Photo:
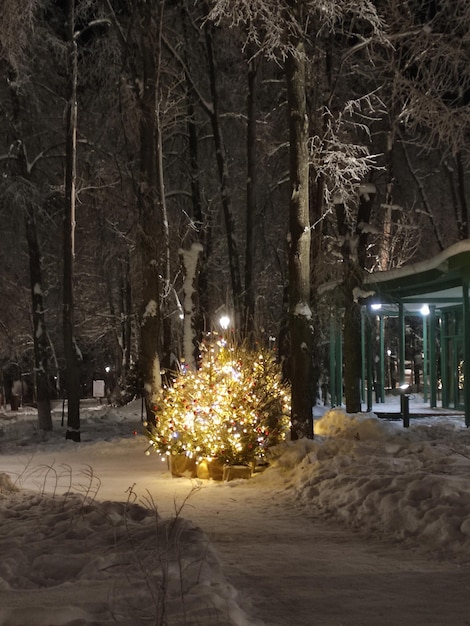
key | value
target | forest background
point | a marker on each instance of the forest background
(168, 161)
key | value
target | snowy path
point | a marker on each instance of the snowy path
(299, 571)
(288, 568)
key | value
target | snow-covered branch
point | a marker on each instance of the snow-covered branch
(339, 157)
(273, 24)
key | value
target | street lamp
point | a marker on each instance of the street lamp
(224, 322)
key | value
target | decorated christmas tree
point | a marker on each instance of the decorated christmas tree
(232, 409)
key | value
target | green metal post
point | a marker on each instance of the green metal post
(339, 366)
(382, 358)
(401, 341)
(432, 356)
(332, 362)
(363, 356)
(466, 352)
(425, 358)
(370, 374)
(444, 361)
(405, 409)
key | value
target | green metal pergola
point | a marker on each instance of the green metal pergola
(437, 292)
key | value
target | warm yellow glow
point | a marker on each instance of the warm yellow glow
(232, 409)
(224, 322)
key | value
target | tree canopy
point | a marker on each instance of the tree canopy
(293, 143)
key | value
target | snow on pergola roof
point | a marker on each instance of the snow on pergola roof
(438, 281)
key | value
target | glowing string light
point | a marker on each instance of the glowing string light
(232, 409)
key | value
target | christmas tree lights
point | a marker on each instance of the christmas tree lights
(232, 409)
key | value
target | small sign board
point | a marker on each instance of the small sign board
(98, 389)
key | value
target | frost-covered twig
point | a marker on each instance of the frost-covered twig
(340, 157)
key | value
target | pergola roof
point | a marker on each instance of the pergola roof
(437, 281)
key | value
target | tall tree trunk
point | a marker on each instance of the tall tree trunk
(71, 357)
(203, 225)
(249, 307)
(190, 262)
(202, 221)
(126, 317)
(352, 351)
(41, 340)
(300, 317)
(463, 224)
(354, 254)
(222, 168)
(152, 223)
(149, 221)
(458, 195)
(41, 343)
(164, 235)
(386, 246)
(318, 357)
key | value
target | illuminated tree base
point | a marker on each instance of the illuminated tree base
(208, 469)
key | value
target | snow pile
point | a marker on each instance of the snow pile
(408, 485)
(98, 533)
(141, 569)
(70, 557)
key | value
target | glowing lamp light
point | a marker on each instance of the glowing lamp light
(376, 306)
(224, 322)
(424, 310)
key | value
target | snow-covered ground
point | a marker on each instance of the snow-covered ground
(369, 523)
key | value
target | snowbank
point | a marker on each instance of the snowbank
(406, 485)
(80, 547)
